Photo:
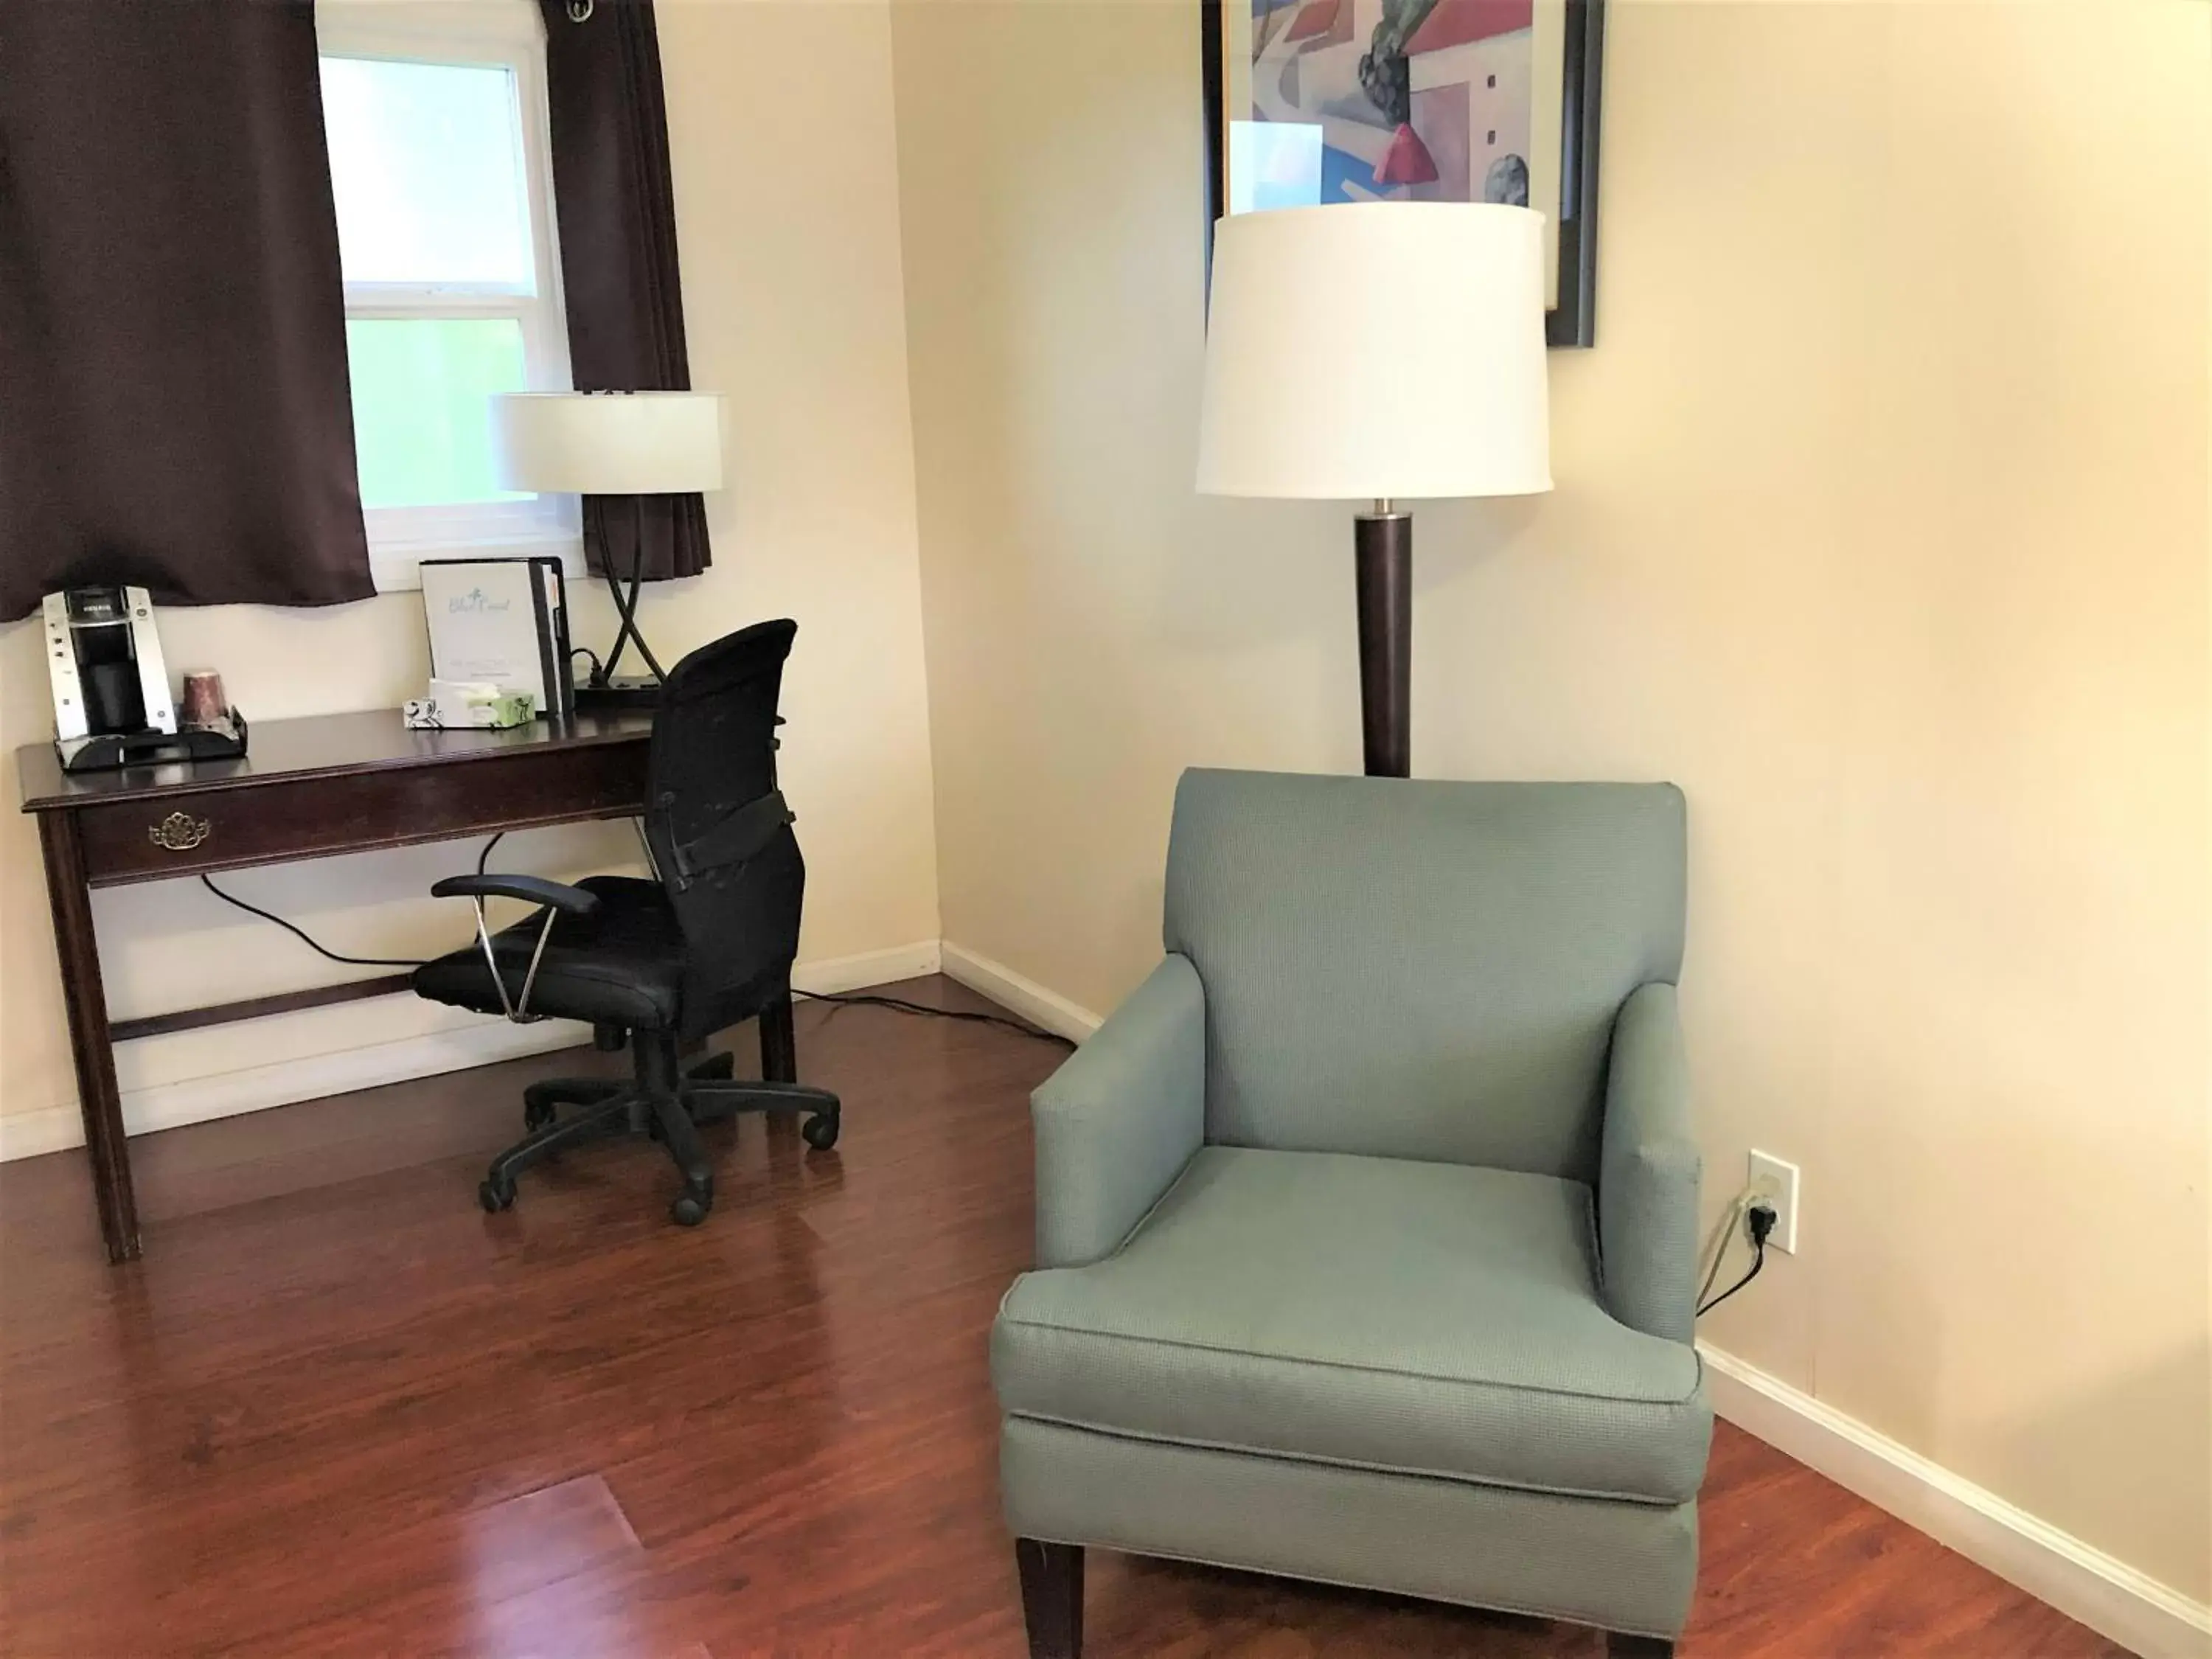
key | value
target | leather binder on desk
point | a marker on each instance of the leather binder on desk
(504, 620)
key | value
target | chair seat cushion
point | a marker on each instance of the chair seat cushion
(1430, 1319)
(623, 963)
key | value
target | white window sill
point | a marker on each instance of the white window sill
(393, 567)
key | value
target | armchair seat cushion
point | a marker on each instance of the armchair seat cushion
(1428, 1319)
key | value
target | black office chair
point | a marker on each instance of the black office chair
(663, 963)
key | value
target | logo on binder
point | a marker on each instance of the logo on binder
(476, 603)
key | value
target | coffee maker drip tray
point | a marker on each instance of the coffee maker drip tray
(103, 751)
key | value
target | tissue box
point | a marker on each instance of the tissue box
(455, 705)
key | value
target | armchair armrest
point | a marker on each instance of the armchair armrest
(1648, 1170)
(1118, 1121)
(530, 889)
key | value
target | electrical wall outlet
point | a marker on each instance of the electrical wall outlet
(1774, 1181)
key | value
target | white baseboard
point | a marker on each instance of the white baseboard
(2110, 1597)
(256, 1088)
(43, 1129)
(834, 973)
(1025, 996)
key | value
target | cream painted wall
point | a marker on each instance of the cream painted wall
(792, 301)
(1881, 528)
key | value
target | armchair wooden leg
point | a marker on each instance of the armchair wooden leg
(1619, 1644)
(1052, 1597)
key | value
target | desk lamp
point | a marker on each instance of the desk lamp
(611, 443)
(1377, 351)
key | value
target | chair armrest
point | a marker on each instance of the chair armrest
(1118, 1121)
(530, 889)
(1647, 1194)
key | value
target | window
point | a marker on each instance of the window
(435, 115)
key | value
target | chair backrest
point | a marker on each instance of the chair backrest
(719, 832)
(1420, 970)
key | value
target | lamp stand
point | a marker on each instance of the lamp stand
(1382, 551)
(604, 693)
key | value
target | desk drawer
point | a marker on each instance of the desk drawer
(303, 818)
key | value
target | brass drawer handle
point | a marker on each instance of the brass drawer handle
(179, 832)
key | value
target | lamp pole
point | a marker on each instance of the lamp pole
(1382, 551)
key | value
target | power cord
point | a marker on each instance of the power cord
(1760, 1219)
(863, 999)
(302, 935)
(321, 950)
(869, 1000)
(1726, 1233)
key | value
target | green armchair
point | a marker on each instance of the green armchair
(1367, 1226)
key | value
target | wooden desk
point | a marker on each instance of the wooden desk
(338, 783)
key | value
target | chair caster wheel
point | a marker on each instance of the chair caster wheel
(820, 1131)
(495, 1195)
(691, 1210)
(537, 1114)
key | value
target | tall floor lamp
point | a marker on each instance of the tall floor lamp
(611, 443)
(1379, 351)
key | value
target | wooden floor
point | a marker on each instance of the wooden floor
(338, 1410)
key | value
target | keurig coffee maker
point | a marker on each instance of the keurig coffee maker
(112, 702)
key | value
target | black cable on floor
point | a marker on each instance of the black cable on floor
(305, 938)
(868, 1000)
(1758, 1261)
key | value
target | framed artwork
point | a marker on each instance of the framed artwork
(1314, 101)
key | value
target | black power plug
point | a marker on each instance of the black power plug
(1759, 1220)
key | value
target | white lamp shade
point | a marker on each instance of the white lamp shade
(608, 443)
(1376, 349)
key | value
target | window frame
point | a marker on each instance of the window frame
(507, 34)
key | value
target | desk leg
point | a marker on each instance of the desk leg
(78, 948)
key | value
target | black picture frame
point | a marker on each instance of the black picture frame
(1573, 320)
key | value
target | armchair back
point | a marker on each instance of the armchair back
(1417, 968)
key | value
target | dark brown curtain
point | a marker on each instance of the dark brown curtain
(173, 402)
(616, 206)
